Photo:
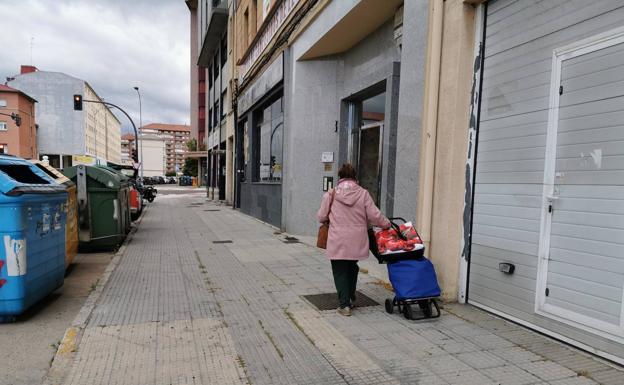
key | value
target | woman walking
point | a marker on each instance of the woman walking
(349, 209)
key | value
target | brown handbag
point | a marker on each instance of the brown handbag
(323, 232)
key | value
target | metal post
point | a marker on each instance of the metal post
(136, 148)
(140, 128)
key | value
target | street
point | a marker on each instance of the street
(203, 294)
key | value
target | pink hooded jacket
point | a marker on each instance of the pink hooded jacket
(352, 210)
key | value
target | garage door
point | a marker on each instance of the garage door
(549, 192)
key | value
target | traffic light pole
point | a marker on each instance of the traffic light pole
(136, 134)
(15, 117)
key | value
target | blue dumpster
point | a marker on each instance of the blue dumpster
(32, 235)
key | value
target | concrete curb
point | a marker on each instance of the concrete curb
(64, 357)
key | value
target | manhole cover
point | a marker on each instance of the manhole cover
(329, 301)
(224, 241)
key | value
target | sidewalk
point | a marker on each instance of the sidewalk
(181, 309)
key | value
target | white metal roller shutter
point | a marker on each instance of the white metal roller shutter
(582, 237)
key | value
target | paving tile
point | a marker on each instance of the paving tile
(516, 354)
(547, 370)
(510, 375)
(481, 360)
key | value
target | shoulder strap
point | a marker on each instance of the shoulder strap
(332, 201)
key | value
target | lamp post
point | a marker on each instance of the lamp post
(140, 128)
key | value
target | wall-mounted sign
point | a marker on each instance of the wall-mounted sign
(83, 159)
(327, 157)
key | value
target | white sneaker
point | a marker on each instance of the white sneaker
(344, 311)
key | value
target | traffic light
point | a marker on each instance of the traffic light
(17, 119)
(77, 102)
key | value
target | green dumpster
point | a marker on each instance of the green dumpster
(101, 197)
(125, 186)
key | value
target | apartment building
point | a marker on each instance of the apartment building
(63, 132)
(127, 149)
(17, 140)
(211, 92)
(175, 137)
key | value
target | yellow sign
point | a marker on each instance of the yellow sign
(83, 159)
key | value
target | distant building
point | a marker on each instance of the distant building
(153, 155)
(63, 132)
(14, 140)
(175, 137)
(127, 149)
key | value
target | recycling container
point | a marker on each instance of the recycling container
(71, 227)
(100, 195)
(125, 186)
(32, 228)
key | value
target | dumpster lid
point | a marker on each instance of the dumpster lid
(53, 173)
(102, 175)
(122, 177)
(18, 176)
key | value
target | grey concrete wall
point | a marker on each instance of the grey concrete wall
(411, 89)
(61, 129)
(314, 92)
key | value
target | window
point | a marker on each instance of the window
(4, 149)
(223, 94)
(268, 143)
(245, 30)
(3, 126)
(209, 119)
(216, 114)
(215, 66)
(209, 77)
(224, 49)
(3, 103)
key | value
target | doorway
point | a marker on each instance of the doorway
(367, 121)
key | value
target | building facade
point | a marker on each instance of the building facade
(495, 125)
(17, 140)
(127, 149)
(64, 132)
(211, 93)
(175, 136)
(354, 94)
(526, 213)
(154, 155)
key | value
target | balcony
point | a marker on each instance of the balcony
(216, 24)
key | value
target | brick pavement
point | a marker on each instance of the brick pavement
(180, 309)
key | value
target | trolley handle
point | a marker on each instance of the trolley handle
(396, 227)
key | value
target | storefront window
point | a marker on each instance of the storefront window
(269, 133)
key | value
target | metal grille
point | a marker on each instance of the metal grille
(329, 301)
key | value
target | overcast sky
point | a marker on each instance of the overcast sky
(112, 44)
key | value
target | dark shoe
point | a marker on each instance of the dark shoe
(345, 311)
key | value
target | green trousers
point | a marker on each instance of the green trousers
(345, 278)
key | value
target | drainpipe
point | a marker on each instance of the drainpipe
(430, 119)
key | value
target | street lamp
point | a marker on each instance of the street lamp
(140, 129)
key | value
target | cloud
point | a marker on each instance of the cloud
(112, 44)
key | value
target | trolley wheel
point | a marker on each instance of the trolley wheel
(407, 311)
(389, 306)
(425, 306)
